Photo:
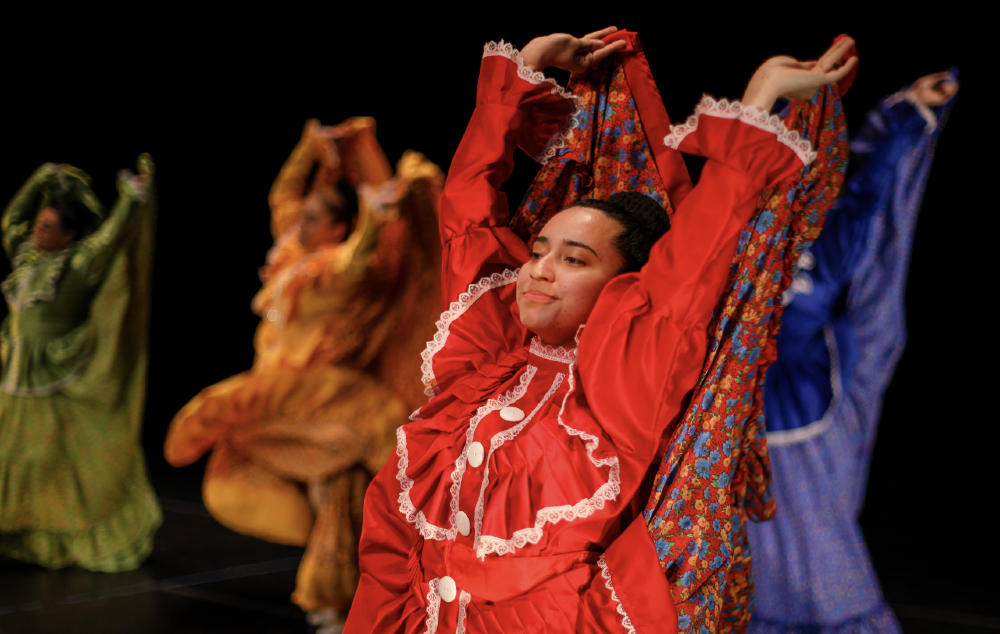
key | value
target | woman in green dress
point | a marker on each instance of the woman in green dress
(73, 483)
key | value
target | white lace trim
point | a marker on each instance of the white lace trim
(751, 115)
(425, 528)
(559, 139)
(922, 109)
(552, 353)
(412, 515)
(24, 269)
(433, 607)
(456, 310)
(495, 443)
(272, 310)
(798, 435)
(626, 622)
(463, 603)
(552, 514)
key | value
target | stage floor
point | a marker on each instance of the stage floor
(204, 578)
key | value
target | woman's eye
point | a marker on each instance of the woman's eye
(535, 255)
(574, 261)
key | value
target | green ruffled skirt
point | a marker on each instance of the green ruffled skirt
(73, 485)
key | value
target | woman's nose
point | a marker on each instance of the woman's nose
(543, 269)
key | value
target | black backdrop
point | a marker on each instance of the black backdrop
(220, 99)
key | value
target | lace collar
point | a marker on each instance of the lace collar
(552, 353)
(34, 276)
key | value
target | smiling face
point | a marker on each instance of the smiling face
(48, 233)
(572, 260)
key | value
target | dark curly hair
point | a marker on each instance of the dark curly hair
(643, 222)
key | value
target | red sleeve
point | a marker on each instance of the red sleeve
(688, 267)
(631, 594)
(645, 343)
(646, 340)
(514, 107)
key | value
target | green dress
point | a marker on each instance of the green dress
(73, 483)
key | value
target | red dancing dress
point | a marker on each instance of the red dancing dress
(511, 505)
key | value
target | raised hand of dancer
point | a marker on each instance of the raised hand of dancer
(785, 76)
(574, 54)
(64, 174)
(321, 139)
(137, 185)
(934, 90)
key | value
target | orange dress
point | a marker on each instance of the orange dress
(296, 439)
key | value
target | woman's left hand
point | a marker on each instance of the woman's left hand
(934, 90)
(575, 54)
(785, 76)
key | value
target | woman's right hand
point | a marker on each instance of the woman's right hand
(137, 186)
(787, 77)
(321, 139)
(575, 54)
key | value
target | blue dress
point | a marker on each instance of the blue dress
(842, 334)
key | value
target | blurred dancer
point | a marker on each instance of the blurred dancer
(296, 439)
(843, 332)
(73, 483)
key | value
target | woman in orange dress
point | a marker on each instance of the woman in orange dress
(296, 439)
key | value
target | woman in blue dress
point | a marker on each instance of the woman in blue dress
(843, 332)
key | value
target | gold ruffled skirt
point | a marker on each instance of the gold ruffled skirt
(292, 454)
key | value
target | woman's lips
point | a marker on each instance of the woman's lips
(538, 297)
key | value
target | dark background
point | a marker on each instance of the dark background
(219, 100)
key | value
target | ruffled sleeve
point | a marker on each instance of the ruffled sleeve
(515, 107)
(20, 212)
(95, 253)
(890, 134)
(645, 343)
(289, 188)
(646, 340)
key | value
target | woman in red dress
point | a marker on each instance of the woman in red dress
(555, 385)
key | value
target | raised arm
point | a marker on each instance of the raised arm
(747, 151)
(20, 211)
(900, 129)
(359, 248)
(289, 188)
(515, 106)
(647, 339)
(95, 253)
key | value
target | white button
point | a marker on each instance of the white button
(476, 454)
(447, 589)
(464, 527)
(512, 414)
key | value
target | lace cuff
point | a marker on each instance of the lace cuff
(606, 574)
(750, 115)
(558, 140)
(909, 97)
